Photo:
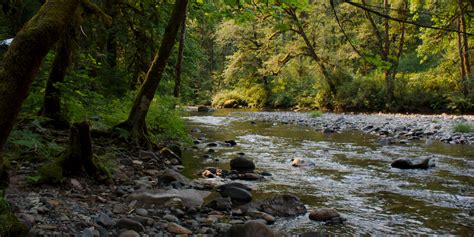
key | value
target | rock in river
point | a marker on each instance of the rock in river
(203, 108)
(282, 205)
(233, 184)
(250, 229)
(405, 163)
(323, 214)
(237, 195)
(298, 162)
(242, 165)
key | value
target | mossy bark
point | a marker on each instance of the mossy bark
(179, 63)
(79, 157)
(24, 57)
(135, 123)
(52, 97)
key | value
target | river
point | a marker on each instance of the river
(352, 174)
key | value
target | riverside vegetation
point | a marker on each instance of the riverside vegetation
(92, 94)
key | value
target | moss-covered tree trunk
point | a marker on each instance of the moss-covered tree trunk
(179, 63)
(24, 57)
(52, 97)
(135, 123)
(111, 6)
(79, 157)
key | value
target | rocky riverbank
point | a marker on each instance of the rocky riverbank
(392, 128)
(148, 196)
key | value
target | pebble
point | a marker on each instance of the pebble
(177, 229)
(129, 233)
(141, 212)
(126, 223)
(104, 220)
(171, 218)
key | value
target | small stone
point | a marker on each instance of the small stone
(141, 212)
(104, 220)
(42, 210)
(177, 229)
(269, 219)
(27, 219)
(120, 208)
(126, 223)
(137, 162)
(323, 214)
(129, 233)
(89, 232)
(171, 218)
(176, 203)
(75, 184)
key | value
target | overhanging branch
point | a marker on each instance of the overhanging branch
(368, 9)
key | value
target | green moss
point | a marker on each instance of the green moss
(51, 173)
(315, 114)
(465, 127)
(9, 224)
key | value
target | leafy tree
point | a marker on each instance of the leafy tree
(135, 123)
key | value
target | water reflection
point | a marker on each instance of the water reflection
(352, 174)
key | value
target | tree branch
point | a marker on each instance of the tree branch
(402, 20)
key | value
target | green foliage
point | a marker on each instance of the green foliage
(315, 114)
(256, 96)
(9, 224)
(464, 127)
(165, 121)
(33, 142)
(282, 100)
(49, 173)
(220, 98)
(361, 94)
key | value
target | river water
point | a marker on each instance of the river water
(352, 174)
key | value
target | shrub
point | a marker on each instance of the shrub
(165, 122)
(464, 127)
(256, 96)
(282, 100)
(315, 114)
(220, 98)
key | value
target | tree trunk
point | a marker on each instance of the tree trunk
(112, 33)
(385, 57)
(135, 123)
(327, 75)
(179, 64)
(462, 63)
(24, 57)
(52, 97)
(465, 51)
(79, 157)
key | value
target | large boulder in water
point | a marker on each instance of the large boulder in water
(203, 108)
(237, 195)
(285, 205)
(405, 163)
(323, 214)
(233, 184)
(242, 165)
(250, 229)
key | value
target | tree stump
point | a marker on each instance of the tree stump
(79, 157)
